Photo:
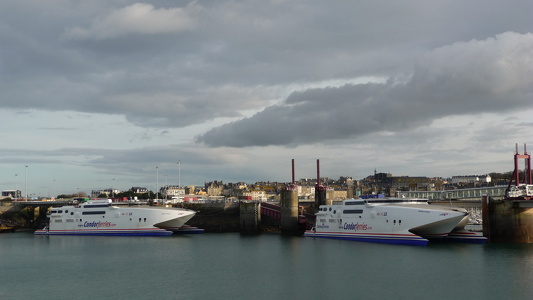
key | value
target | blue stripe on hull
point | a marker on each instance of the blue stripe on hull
(467, 240)
(192, 231)
(107, 233)
(412, 241)
(463, 236)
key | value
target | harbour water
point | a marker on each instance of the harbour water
(266, 266)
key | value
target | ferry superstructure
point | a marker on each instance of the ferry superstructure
(391, 220)
(100, 217)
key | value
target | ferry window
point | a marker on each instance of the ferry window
(353, 211)
(399, 221)
(60, 211)
(394, 221)
(66, 211)
(334, 211)
(97, 212)
(139, 219)
(71, 213)
(145, 219)
(354, 203)
(96, 205)
(330, 209)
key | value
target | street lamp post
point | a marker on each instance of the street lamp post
(112, 188)
(157, 183)
(26, 182)
(179, 177)
(165, 190)
(16, 187)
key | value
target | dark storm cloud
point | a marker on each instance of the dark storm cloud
(473, 77)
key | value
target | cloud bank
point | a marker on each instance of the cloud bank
(110, 89)
(465, 78)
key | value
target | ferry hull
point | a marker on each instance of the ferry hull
(186, 229)
(465, 236)
(411, 240)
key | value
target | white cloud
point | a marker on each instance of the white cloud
(138, 18)
(497, 65)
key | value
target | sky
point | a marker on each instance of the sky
(116, 93)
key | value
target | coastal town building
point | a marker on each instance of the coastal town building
(214, 188)
(170, 191)
(107, 192)
(11, 193)
(471, 179)
(139, 190)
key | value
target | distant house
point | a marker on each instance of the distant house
(214, 188)
(107, 192)
(139, 190)
(171, 191)
(11, 193)
(471, 179)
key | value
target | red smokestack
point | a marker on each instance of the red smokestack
(293, 181)
(318, 171)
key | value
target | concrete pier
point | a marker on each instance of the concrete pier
(508, 221)
(320, 196)
(289, 210)
(250, 217)
(511, 220)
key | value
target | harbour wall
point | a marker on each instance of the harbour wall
(217, 217)
(508, 221)
(243, 217)
(250, 217)
(289, 210)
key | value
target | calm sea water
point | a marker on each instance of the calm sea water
(266, 266)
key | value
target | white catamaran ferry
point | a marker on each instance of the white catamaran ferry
(100, 217)
(393, 221)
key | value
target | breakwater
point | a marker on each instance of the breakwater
(220, 217)
(217, 217)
